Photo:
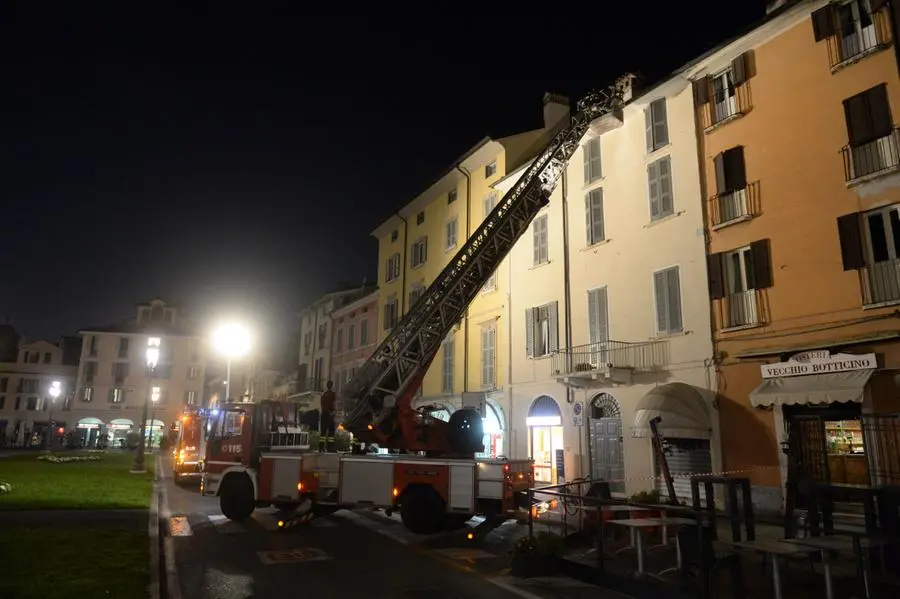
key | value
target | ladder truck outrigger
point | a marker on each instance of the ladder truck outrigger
(435, 481)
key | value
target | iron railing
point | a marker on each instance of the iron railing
(644, 356)
(867, 34)
(725, 104)
(293, 439)
(880, 282)
(735, 205)
(879, 156)
(881, 436)
(742, 309)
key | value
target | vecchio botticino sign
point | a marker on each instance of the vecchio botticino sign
(819, 362)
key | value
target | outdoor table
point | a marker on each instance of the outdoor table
(834, 543)
(635, 525)
(665, 522)
(776, 549)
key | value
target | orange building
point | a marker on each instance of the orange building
(802, 187)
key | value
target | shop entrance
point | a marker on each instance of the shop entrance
(545, 433)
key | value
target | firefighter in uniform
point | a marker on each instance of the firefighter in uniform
(326, 422)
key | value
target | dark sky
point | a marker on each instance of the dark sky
(238, 159)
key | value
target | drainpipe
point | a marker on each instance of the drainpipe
(509, 358)
(567, 300)
(400, 305)
(468, 175)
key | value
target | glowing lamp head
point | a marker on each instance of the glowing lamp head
(232, 340)
(154, 394)
(55, 389)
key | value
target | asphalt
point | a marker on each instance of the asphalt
(348, 554)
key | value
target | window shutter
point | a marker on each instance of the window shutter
(673, 297)
(553, 342)
(859, 129)
(719, 163)
(585, 150)
(850, 237)
(876, 5)
(665, 186)
(653, 183)
(537, 240)
(659, 292)
(529, 332)
(660, 123)
(762, 264)
(648, 125)
(598, 327)
(739, 69)
(879, 111)
(587, 219)
(597, 233)
(701, 91)
(714, 274)
(735, 171)
(823, 23)
(595, 166)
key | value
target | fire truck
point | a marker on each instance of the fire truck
(256, 454)
(188, 449)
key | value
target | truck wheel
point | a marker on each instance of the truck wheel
(236, 497)
(422, 511)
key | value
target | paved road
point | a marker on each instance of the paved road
(348, 554)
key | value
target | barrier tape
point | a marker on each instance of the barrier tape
(691, 474)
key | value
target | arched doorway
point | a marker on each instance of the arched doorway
(89, 431)
(493, 431)
(605, 429)
(545, 434)
(118, 430)
(154, 430)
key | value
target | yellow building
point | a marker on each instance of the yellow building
(417, 242)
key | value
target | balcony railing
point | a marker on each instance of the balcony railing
(880, 282)
(868, 160)
(646, 356)
(735, 205)
(725, 104)
(859, 38)
(743, 309)
(307, 385)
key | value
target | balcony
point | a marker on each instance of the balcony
(735, 206)
(745, 309)
(880, 283)
(871, 160)
(609, 362)
(859, 37)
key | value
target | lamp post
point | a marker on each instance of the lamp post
(232, 340)
(154, 398)
(153, 344)
(55, 391)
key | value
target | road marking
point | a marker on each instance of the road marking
(225, 526)
(465, 553)
(292, 556)
(179, 527)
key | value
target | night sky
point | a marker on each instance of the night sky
(236, 161)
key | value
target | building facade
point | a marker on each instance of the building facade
(415, 245)
(801, 167)
(355, 338)
(26, 406)
(114, 381)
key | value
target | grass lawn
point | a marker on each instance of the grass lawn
(106, 484)
(54, 562)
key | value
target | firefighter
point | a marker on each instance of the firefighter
(326, 422)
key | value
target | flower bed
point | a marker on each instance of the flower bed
(58, 459)
(5, 487)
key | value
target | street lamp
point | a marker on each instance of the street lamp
(55, 391)
(153, 345)
(154, 398)
(232, 340)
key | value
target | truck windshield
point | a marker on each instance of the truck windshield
(228, 423)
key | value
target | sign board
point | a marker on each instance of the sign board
(818, 362)
(475, 400)
(578, 413)
(560, 466)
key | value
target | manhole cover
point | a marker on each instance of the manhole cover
(291, 556)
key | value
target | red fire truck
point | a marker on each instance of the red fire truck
(256, 454)
(188, 449)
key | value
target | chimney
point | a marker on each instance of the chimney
(556, 110)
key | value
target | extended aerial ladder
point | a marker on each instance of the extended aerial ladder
(379, 398)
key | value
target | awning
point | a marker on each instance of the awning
(812, 389)
(683, 413)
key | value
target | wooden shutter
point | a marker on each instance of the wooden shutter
(879, 110)
(823, 23)
(701, 91)
(598, 312)
(648, 126)
(660, 123)
(762, 264)
(673, 299)
(659, 292)
(586, 150)
(739, 69)
(859, 126)
(719, 163)
(653, 185)
(592, 166)
(715, 276)
(553, 342)
(735, 172)
(594, 216)
(529, 332)
(850, 236)
(665, 186)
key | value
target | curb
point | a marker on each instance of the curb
(153, 533)
(173, 582)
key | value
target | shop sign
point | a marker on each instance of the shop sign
(819, 362)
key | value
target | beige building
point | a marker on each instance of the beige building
(114, 381)
(417, 242)
(26, 406)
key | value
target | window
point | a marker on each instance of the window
(392, 268)
(92, 349)
(541, 330)
(659, 180)
(420, 218)
(339, 340)
(192, 373)
(870, 130)
(871, 242)
(489, 356)
(116, 395)
(120, 372)
(318, 373)
(48, 357)
(450, 234)
(593, 214)
(592, 166)
(854, 24)
(734, 277)
(724, 99)
(419, 252)
(4, 384)
(488, 203)
(390, 313)
(731, 183)
(351, 336)
(363, 333)
(490, 284)
(90, 370)
(667, 291)
(541, 247)
(394, 235)
(323, 335)
(656, 125)
(447, 364)
(190, 398)
(415, 294)
(598, 316)
(87, 394)
(490, 169)
(307, 343)
(451, 196)
(720, 91)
